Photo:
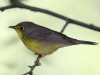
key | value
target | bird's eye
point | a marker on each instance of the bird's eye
(21, 28)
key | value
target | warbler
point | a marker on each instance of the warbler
(42, 40)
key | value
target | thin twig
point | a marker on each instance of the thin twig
(66, 24)
(17, 4)
(35, 64)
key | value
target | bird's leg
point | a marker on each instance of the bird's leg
(37, 60)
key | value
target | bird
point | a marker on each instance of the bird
(42, 40)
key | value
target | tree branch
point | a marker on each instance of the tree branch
(36, 63)
(67, 21)
(16, 3)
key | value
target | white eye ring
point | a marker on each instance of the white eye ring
(21, 28)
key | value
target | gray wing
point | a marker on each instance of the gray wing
(47, 35)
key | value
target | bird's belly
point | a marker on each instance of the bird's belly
(41, 48)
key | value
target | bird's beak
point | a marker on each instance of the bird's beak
(13, 27)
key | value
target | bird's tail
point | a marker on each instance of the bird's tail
(85, 42)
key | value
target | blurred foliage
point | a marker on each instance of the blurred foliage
(11, 1)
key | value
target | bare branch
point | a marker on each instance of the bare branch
(37, 63)
(17, 4)
(67, 22)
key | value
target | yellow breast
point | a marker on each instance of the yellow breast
(40, 47)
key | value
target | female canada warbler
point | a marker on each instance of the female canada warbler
(42, 40)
